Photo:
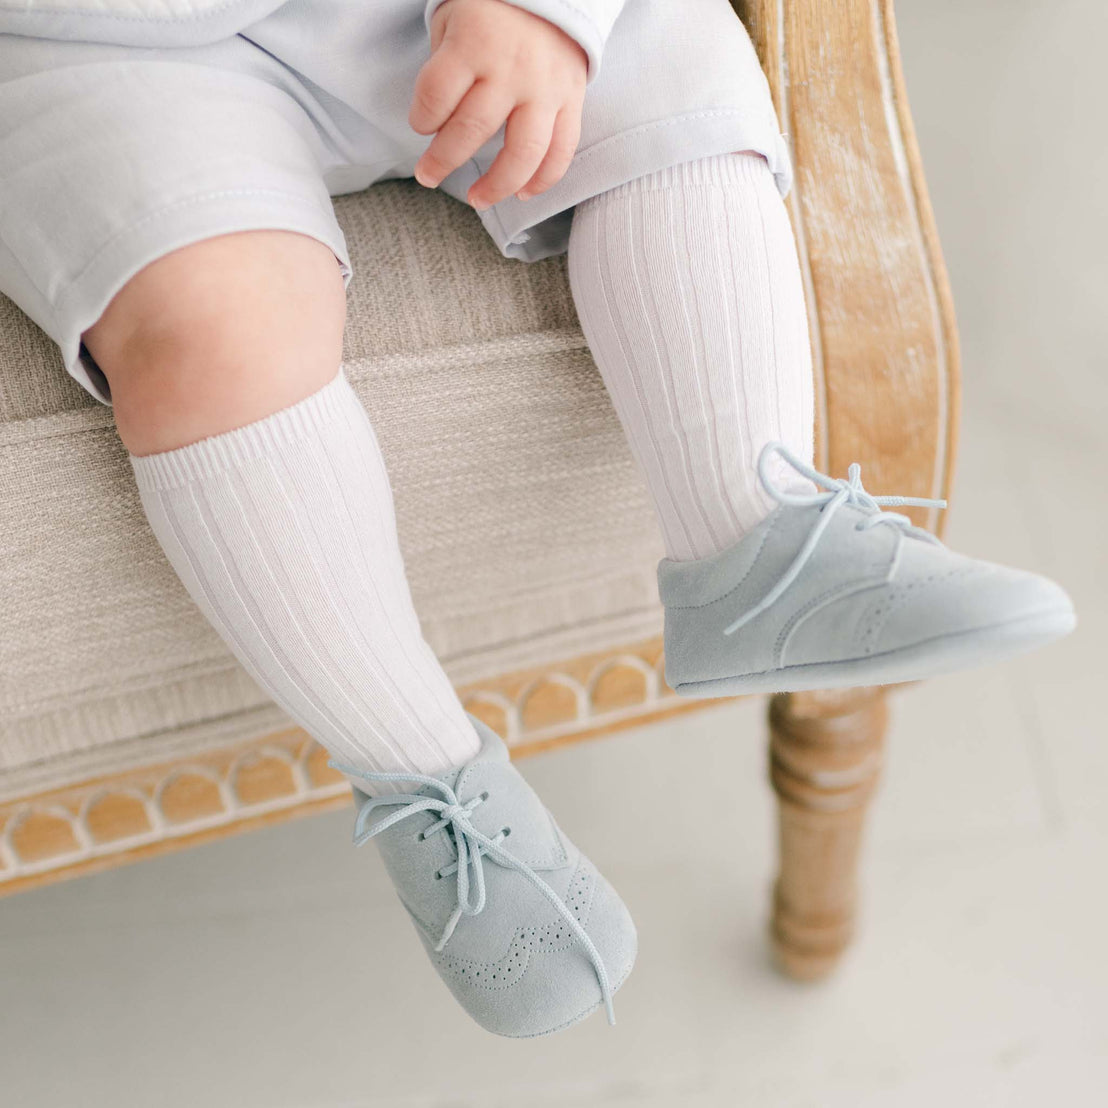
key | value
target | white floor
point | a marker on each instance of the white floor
(276, 969)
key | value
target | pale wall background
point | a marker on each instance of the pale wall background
(276, 969)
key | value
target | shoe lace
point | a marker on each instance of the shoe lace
(471, 845)
(838, 492)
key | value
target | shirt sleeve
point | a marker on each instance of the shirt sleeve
(587, 22)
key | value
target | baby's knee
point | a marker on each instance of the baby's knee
(218, 334)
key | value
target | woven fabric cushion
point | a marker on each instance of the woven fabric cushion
(525, 527)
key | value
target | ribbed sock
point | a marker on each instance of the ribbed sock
(283, 533)
(689, 292)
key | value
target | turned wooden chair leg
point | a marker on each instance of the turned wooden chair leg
(825, 758)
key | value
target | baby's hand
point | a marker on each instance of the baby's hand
(491, 62)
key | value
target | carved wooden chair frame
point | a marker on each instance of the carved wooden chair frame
(886, 367)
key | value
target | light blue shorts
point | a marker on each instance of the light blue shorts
(112, 155)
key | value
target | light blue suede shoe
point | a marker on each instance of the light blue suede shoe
(525, 932)
(831, 591)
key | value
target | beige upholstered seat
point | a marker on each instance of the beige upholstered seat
(525, 528)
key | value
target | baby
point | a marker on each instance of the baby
(165, 216)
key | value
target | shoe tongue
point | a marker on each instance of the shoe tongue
(492, 750)
(795, 485)
(786, 479)
(492, 745)
(533, 836)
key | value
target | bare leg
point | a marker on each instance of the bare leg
(218, 334)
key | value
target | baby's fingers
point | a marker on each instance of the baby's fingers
(563, 145)
(476, 119)
(526, 141)
(439, 87)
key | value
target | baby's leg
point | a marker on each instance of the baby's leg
(262, 478)
(688, 289)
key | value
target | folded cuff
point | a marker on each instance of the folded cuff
(211, 456)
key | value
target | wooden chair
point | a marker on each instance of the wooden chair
(887, 386)
(886, 366)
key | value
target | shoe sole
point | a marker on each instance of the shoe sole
(932, 658)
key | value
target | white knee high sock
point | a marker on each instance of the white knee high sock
(689, 293)
(283, 533)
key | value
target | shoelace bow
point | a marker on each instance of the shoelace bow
(838, 492)
(471, 845)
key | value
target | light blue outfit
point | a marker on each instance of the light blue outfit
(129, 128)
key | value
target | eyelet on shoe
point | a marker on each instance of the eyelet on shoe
(505, 831)
(438, 876)
(859, 527)
(485, 795)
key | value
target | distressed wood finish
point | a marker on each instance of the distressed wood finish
(101, 823)
(825, 757)
(886, 366)
(882, 318)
